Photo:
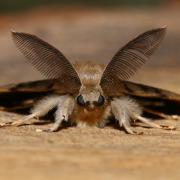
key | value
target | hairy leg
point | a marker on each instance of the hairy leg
(64, 110)
(40, 109)
(125, 110)
(120, 109)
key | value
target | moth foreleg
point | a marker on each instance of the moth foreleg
(154, 125)
(148, 122)
(42, 107)
(125, 110)
(122, 109)
(64, 110)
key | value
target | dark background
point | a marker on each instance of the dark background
(17, 5)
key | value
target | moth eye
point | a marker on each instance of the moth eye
(100, 101)
(80, 100)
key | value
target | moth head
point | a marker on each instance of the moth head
(90, 97)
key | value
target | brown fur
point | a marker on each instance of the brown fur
(90, 75)
(91, 117)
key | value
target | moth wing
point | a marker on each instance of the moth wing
(155, 101)
(21, 97)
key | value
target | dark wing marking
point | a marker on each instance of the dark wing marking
(132, 56)
(135, 89)
(153, 100)
(47, 59)
(22, 96)
(144, 91)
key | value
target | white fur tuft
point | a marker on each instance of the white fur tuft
(128, 105)
(46, 104)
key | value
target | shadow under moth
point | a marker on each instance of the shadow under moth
(86, 93)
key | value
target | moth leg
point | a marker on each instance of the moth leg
(120, 108)
(124, 121)
(125, 109)
(24, 120)
(148, 122)
(40, 109)
(64, 110)
(154, 125)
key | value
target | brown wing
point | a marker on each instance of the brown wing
(154, 101)
(131, 57)
(47, 59)
(20, 97)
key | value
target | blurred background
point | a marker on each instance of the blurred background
(91, 31)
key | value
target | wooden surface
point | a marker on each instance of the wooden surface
(88, 153)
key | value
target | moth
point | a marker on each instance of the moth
(87, 93)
